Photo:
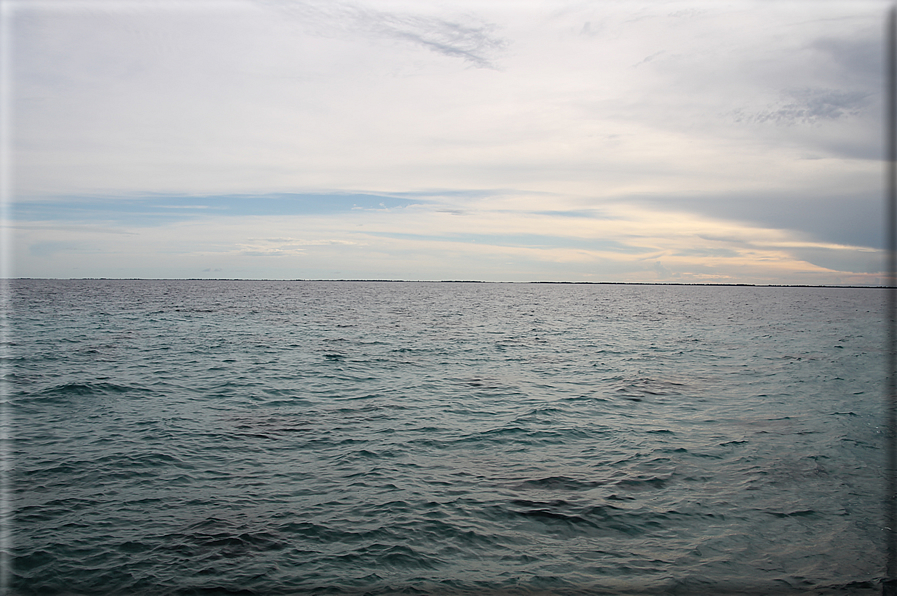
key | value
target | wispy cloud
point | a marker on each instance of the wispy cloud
(463, 36)
(809, 106)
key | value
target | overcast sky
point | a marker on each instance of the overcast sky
(492, 140)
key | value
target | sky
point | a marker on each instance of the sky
(495, 140)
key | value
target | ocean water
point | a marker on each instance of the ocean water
(248, 437)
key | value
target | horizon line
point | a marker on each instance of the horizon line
(462, 281)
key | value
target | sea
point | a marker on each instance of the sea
(206, 437)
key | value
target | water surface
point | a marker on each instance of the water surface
(200, 437)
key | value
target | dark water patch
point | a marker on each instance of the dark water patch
(526, 503)
(495, 435)
(26, 565)
(216, 590)
(674, 450)
(480, 383)
(84, 390)
(544, 412)
(144, 460)
(559, 483)
(643, 482)
(386, 557)
(801, 513)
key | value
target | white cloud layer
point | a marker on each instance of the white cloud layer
(603, 141)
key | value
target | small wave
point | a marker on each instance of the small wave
(67, 390)
(800, 513)
(559, 483)
(635, 389)
(209, 542)
(29, 564)
(643, 482)
(547, 514)
(586, 398)
(481, 383)
(526, 503)
(144, 460)
(387, 556)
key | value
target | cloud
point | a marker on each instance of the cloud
(465, 36)
(841, 218)
(408, 139)
(809, 106)
(496, 239)
(854, 61)
(282, 247)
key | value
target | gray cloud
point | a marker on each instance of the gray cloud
(850, 220)
(840, 260)
(855, 61)
(809, 106)
(847, 72)
(465, 36)
(470, 41)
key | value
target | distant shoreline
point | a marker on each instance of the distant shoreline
(450, 281)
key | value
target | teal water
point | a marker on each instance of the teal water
(205, 437)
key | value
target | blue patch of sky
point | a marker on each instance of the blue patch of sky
(159, 209)
(162, 209)
(48, 249)
(470, 193)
